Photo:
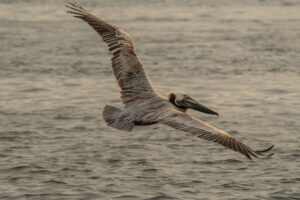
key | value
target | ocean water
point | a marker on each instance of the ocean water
(240, 58)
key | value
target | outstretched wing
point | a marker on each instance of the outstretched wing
(127, 67)
(189, 124)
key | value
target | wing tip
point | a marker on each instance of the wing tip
(249, 153)
(261, 152)
(265, 150)
(75, 9)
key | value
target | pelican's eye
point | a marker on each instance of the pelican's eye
(186, 96)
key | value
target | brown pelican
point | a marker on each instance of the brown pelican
(143, 105)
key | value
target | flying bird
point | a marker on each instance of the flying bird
(143, 104)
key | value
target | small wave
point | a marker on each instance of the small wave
(9, 138)
(41, 171)
(54, 182)
(292, 180)
(61, 117)
(94, 177)
(160, 19)
(18, 168)
(141, 162)
(236, 186)
(161, 197)
(113, 161)
(296, 198)
(127, 197)
(35, 90)
(79, 128)
(150, 170)
(231, 161)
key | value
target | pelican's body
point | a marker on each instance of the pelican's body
(143, 105)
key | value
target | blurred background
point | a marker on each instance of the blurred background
(238, 57)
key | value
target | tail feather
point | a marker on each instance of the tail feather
(114, 118)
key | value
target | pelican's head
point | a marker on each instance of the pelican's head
(185, 101)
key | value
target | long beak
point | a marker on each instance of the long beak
(193, 104)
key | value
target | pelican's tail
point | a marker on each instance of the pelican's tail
(114, 118)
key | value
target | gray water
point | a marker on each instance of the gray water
(240, 58)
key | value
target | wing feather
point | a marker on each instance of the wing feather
(127, 67)
(190, 124)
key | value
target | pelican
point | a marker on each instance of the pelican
(143, 104)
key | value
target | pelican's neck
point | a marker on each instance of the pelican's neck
(171, 98)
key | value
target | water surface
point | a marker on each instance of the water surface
(240, 58)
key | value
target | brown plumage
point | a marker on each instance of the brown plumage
(143, 105)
